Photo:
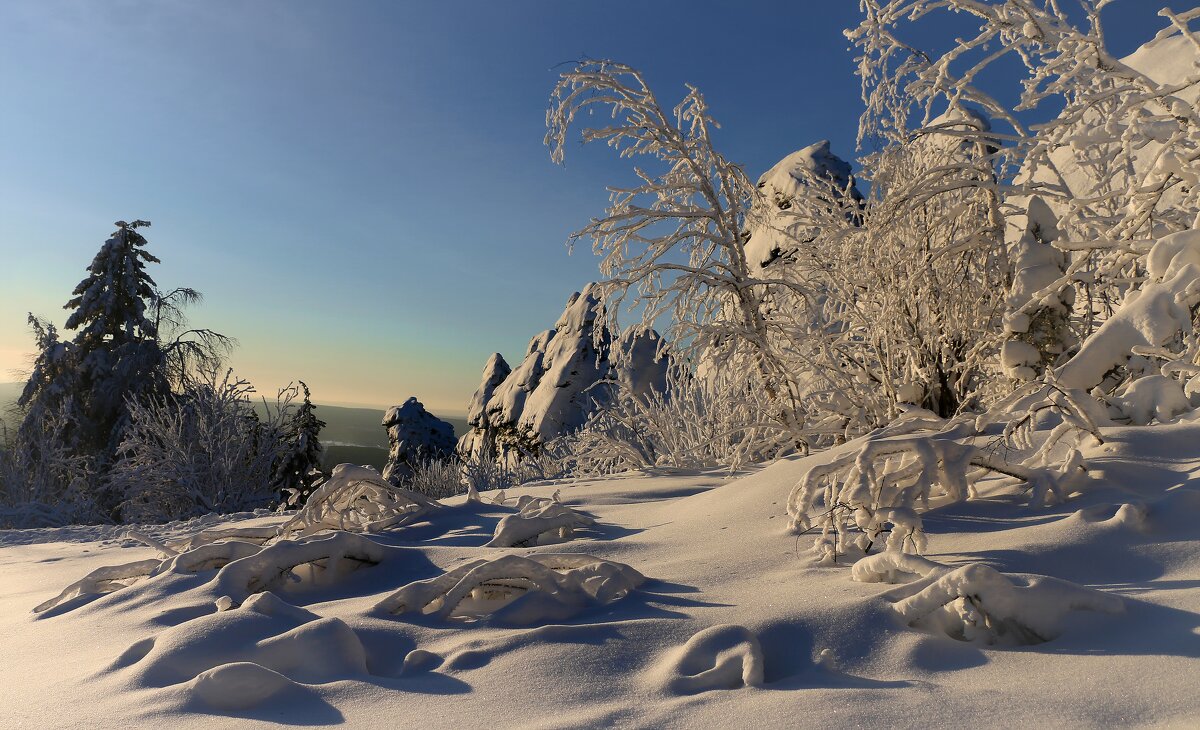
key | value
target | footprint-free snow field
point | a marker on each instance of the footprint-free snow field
(674, 599)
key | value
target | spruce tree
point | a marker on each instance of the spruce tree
(116, 344)
(114, 355)
(299, 472)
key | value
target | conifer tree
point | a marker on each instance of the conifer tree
(299, 472)
(116, 348)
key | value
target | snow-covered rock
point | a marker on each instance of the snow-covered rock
(415, 435)
(801, 175)
(495, 372)
(565, 373)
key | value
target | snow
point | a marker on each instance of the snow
(1152, 316)
(687, 603)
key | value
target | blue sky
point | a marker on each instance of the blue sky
(360, 188)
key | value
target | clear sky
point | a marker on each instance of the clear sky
(360, 188)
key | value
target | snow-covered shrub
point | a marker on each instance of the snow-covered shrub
(1159, 313)
(206, 450)
(978, 604)
(538, 521)
(672, 244)
(837, 309)
(897, 470)
(42, 481)
(1098, 155)
(694, 422)
(484, 470)
(357, 499)
(436, 478)
(517, 591)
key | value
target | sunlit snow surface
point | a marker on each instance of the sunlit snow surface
(687, 602)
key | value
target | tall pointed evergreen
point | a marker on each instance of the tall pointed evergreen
(115, 348)
(299, 473)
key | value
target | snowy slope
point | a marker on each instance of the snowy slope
(732, 598)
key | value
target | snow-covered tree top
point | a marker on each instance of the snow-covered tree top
(111, 302)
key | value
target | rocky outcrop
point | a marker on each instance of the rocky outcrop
(565, 374)
(810, 174)
(415, 436)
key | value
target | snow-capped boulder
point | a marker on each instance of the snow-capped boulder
(812, 171)
(566, 373)
(415, 435)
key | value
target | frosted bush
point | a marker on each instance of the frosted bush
(696, 422)
(436, 478)
(42, 482)
(357, 499)
(206, 450)
(896, 471)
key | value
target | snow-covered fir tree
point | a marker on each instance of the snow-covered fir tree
(116, 352)
(298, 473)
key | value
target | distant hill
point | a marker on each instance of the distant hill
(352, 435)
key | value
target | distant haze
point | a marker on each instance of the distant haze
(355, 435)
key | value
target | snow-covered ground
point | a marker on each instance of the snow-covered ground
(734, 626)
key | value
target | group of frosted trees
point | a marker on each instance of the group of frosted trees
(135, 418)
(991, 249)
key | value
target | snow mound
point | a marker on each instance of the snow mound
(892, 566)
(719, 657)
(240, 658)
(978, 604)
(239, 685)
(538, 521)
(517, 591)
